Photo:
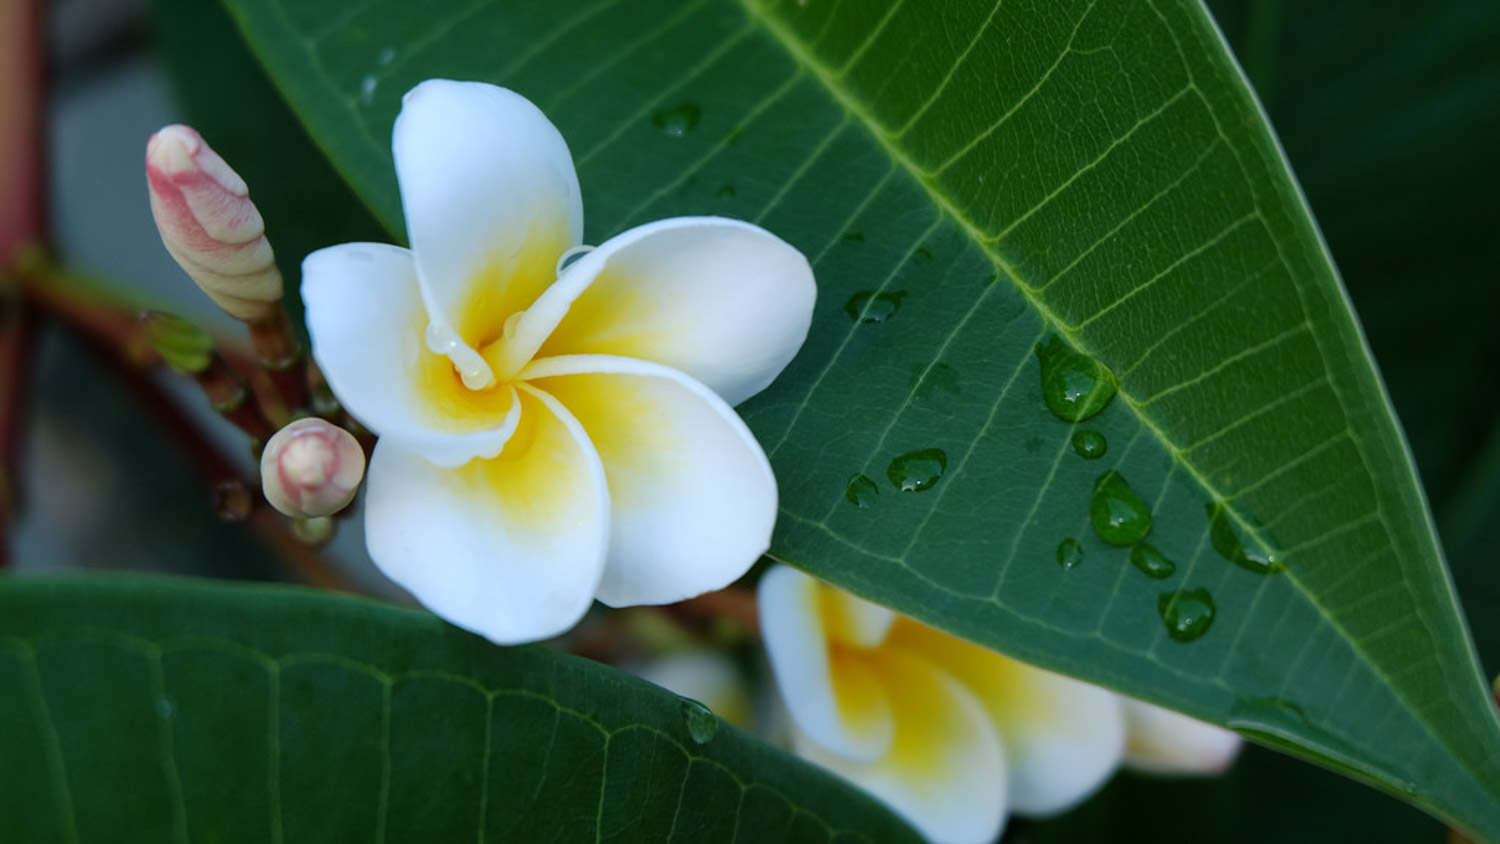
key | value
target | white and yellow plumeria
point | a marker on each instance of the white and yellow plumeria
(953, 736)
(550, 435)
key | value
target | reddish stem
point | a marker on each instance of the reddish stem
(21, 223)
(276, 344)
(305, 563)
(21, 127)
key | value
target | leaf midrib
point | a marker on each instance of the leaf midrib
(988, 246)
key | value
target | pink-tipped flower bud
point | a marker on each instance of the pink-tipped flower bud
(311, 468)
(207, 221)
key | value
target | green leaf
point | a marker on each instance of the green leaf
(150, 709)
(1386, 112)
(968, 185)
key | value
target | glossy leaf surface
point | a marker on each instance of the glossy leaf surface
(150, 709)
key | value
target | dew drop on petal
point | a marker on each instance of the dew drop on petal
(442, 340)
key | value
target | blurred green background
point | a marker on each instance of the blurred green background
(1389, 113)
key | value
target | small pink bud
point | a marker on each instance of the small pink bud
(311, 468)
(207, 221)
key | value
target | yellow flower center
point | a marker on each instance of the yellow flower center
(486, 334)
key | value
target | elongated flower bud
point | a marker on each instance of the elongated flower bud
(208, 223)
(311, 468)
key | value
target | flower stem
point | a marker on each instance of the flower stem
(276, 344)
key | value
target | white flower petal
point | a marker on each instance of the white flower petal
(1165, 742)
(851, 620)
(366, 321)
(491, 201)
(692, 497)
(945, 772)
(831, 693)
(510, 548)
(1063, 738)
(724, 301)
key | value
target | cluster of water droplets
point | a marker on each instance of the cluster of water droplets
(1076, 387)
(912, 471)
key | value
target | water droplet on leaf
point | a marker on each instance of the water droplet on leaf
(1117, 513)
(940, 376)
(702, 724)
(367, 89)
(1069, 553)
(1090, 445)
(917, 471)
(678, 120)
(861, 491)
(868, 307)
(922, 255)
(1151, 562)
(1074, 385)
(1187, 613)
(1225, 541)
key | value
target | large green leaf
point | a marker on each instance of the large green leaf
(969, 184)
(1388, 114)
(1391, 132)
(147, 709)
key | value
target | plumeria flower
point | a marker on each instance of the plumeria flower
(953, 736)
(550, 433)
